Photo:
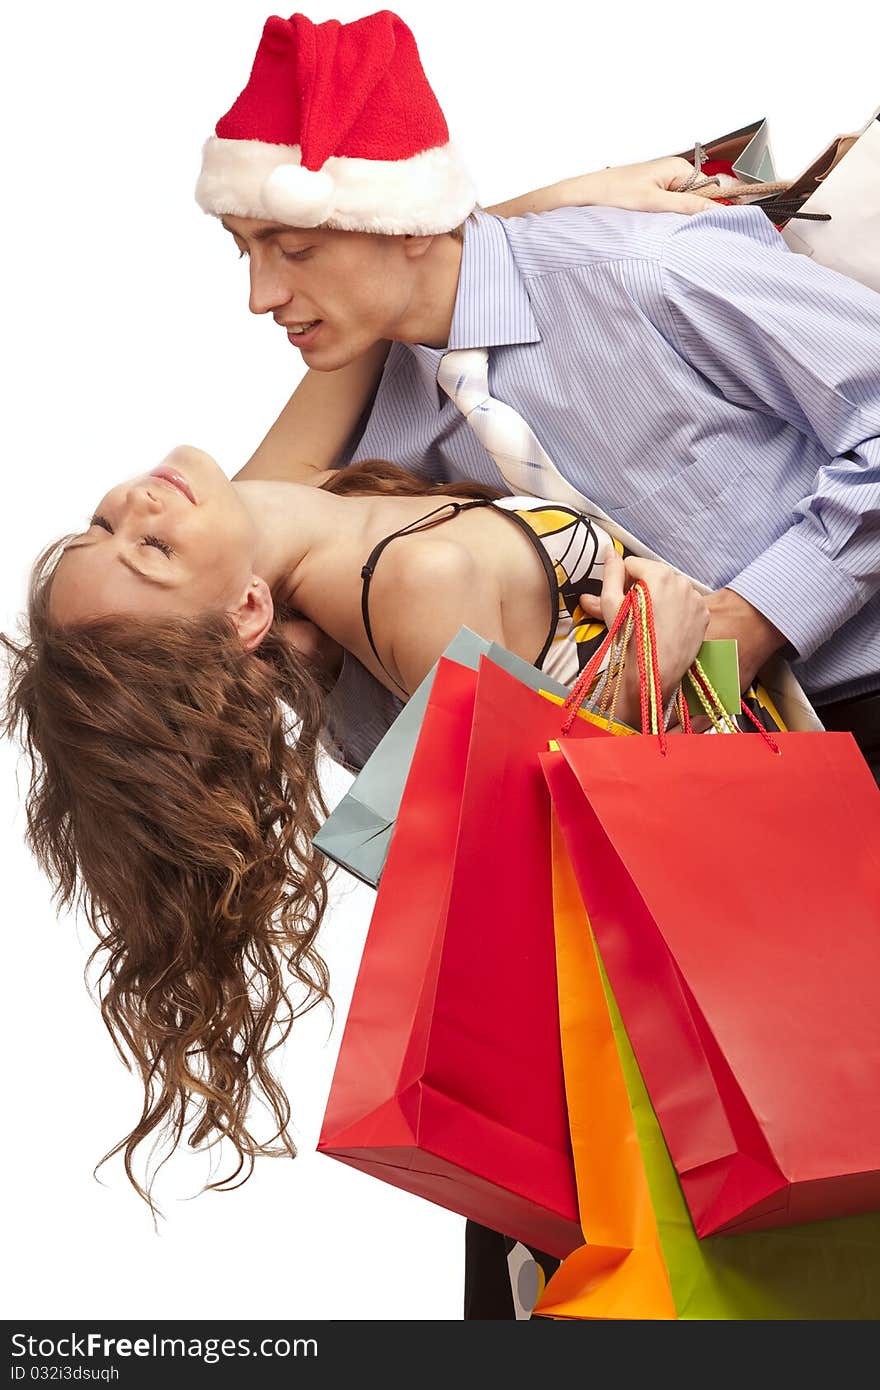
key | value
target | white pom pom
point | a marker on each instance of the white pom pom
(302, 197)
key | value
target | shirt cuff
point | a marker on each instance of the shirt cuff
(334, 712)
(801, 590)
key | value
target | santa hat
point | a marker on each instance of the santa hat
(337, 127)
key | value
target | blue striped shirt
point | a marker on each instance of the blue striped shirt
(715, 393)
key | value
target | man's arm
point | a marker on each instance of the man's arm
(776, 332)
(757, 639)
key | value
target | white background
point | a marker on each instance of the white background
(125, 332)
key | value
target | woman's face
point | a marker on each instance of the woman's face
(155, 548)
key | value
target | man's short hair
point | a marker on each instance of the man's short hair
(458, 232)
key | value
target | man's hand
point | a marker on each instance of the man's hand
(680, 619)
(756, 637)
(681, 623)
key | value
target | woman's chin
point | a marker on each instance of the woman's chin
(187, 454)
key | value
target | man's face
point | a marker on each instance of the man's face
(334, 293)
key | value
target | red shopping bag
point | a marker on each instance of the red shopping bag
(449, 1078)
(735, 896)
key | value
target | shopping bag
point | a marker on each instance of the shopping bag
(828, 1269)
(620, 1272)
(357, 832)
(830, 212)
(449, 1076)
(746, 151)
(733, 892)
(844, 182)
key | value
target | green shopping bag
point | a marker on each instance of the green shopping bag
(824, 1269)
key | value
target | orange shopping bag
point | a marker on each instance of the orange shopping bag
(620, 1272)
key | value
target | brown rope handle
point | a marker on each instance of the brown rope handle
(710, 188)
(769, 196)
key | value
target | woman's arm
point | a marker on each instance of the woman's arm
(647, 187)
(317, 422)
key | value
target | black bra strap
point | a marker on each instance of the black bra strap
(451, 509)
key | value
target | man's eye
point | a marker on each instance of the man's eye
(296, 255)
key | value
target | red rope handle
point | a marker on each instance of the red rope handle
(765, 734)
(655, 667)
(588, 675)
(585, 680)
(581, 687)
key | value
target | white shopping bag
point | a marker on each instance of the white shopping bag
(846, 184)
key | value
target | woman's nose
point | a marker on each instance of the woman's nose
(144, 497)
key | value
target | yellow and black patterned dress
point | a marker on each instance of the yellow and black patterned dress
(572, 549)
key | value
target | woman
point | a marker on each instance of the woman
(168, 796)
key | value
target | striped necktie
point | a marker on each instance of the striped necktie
(523, 462)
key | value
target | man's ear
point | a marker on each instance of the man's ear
(254, 614)
(416, 246)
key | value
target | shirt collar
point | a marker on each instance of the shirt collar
(492, 308)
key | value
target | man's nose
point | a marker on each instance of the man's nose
(268, 291)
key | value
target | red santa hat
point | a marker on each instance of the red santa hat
(337, 127)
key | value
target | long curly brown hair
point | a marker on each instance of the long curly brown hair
(174, 792)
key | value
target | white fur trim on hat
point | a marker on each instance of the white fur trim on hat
(431, 192)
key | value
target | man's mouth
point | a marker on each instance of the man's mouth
(301, 334)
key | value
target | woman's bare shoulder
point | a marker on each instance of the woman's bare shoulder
(418, 561)
(428, 592)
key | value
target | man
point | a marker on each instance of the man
(717, 396)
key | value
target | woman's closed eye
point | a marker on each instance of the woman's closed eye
(145, 540)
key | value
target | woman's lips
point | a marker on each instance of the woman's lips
(170, 475)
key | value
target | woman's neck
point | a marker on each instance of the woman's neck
(303, 537)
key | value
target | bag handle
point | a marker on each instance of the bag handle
(635, 617)
(769, 197)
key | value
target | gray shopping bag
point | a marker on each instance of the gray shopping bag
(747, 150)
(357, 832)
